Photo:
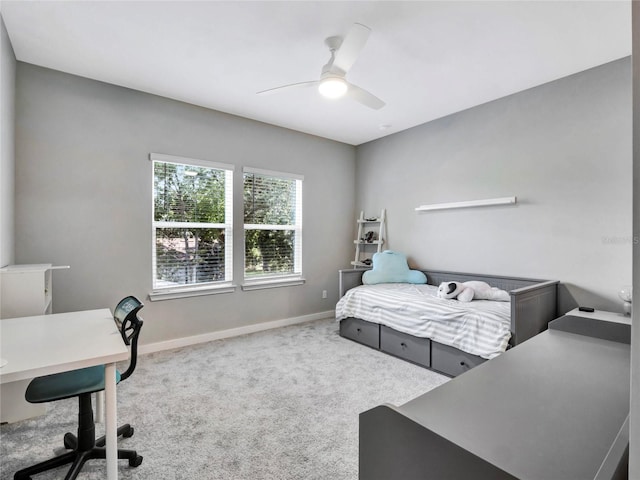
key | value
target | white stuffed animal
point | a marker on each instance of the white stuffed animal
(467, 291)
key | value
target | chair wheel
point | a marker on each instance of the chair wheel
(135, 462)
(70, 441)
(128, 433)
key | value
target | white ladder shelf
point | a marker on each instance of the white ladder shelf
(370, 232)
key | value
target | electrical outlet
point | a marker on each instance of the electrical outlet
(324, 294)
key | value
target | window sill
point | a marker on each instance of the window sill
(172, 293)
(272, 283)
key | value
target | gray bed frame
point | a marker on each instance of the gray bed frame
(533, 306)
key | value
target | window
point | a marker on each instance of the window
(272, 226)
(192, 223)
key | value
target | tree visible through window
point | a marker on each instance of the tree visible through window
(272, 224)
(192, 222)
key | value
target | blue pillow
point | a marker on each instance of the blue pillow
(391, 267)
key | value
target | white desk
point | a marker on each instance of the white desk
(46, 344)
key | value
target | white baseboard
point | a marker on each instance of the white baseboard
(231, 332)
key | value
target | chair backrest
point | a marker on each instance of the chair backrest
(126, 317)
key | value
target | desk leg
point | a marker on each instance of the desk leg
(100, 406)
(111, 423)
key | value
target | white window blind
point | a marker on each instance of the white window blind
(192, 222)
(272, 225)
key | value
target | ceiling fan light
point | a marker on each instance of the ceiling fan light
(332, 87)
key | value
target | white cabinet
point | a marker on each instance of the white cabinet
(25, 290)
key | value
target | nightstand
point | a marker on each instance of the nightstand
(602, 315)
(599, 324)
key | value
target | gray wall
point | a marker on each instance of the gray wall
(7, 146)
(83, 198)
(564, 149)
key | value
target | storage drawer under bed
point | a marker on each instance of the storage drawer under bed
(451, 361)
(361, 331)
(407, 347)
(421, 351)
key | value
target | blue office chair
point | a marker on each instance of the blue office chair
(82, 383)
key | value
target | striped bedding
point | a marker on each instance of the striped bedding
(480, 327)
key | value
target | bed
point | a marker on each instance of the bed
(454, 338)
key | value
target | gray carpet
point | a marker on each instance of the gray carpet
(279, 404)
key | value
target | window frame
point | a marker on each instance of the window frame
(283, 279)
(203, 288)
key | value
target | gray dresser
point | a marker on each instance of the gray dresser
(555, 407)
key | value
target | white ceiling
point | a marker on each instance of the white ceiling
(425, 59)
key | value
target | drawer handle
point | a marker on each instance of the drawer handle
(462, 363)
(358, 330)
(403, 345)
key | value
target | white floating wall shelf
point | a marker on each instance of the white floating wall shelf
(471, 203)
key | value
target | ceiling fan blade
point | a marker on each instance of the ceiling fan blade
(351, 47)
(288, 87)
(364, 97)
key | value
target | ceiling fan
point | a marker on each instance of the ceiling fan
(332, 82)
